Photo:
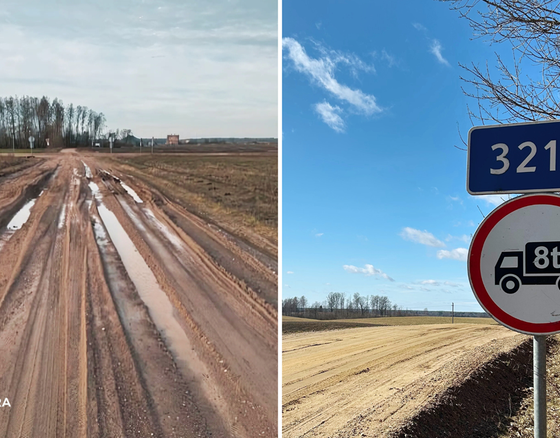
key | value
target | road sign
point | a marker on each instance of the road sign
(514, 158)
(514, 264)
(31, 140)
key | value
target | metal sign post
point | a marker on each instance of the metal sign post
(539, 384)
(31, 140)
(152, 145)
(111, 139)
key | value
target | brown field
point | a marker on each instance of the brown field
(374, 381)
(237, 192)
(291, 324)
(121, 318)
(9, 164)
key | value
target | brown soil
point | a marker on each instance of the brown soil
(375, 381)
(85, 356)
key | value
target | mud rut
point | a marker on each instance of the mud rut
(83, 355)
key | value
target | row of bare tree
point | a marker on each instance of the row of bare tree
(64, 126)
(340, 305)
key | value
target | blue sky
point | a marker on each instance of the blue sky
(198, 69)
(374, 197)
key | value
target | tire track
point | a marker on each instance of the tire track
(83, 357)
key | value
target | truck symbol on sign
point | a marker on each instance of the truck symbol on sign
(538, 264)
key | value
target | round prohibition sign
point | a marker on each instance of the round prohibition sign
(514, 264)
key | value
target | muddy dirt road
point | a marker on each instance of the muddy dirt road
(344, 383)
(114, 319)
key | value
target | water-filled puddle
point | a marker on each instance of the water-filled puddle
(159, 306)
(19, 219)
(21, 216)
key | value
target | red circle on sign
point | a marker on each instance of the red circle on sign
(475, 274)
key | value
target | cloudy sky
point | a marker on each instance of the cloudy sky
(198, 69)
(374, 197)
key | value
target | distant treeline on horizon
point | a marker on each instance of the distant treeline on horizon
(340, 305)
(63, 125)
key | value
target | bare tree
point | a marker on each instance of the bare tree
(332, 300)
(303, 304)
(532, 29)
(290, 306)
(374, 299)
(384, 306)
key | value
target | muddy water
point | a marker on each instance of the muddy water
(62, 217)
(160, 309)
(19, 219)
(21, 216)
(132, 193)
(88, 171)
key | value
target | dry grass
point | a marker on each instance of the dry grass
(521, 423)
(294, 325)
(233, 191)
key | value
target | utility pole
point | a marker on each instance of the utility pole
(152, 145)
(452, 313)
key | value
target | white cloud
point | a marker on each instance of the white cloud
(321, 71)
(436, 48)
(430, 282)
(437, 283)
(368, 271)
(144, 74)
(462, 238)
(423, 237)
(455, 199)
(452, 284)
(349, 59)
(319, 234)
(494, 200)
(418, 26)
(330, 116)
(391, 60)
(455, 254)
(289, 272)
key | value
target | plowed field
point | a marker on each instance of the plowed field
(370, 381)
(117, 320)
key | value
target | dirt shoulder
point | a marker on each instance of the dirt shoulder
(520, 422)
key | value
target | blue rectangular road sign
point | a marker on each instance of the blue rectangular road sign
(514, 158)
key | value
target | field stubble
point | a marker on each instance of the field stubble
(236, 192)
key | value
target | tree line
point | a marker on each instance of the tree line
(63, 125)
(340, 305)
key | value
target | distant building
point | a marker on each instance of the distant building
(172, 139)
